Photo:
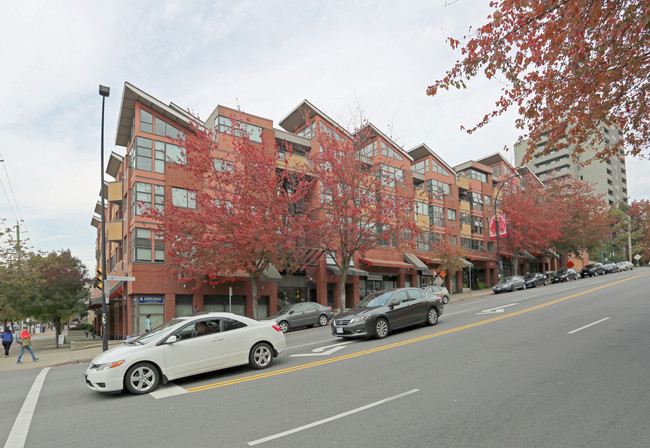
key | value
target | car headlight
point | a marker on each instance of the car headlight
(358, 319)
(109, 365)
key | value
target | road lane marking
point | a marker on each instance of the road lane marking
(311, 343)
(19, 431)
(497, 309)
(329, 419)
(322, 351)
(587, 326)
(400, 343)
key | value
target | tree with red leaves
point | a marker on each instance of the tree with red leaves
(534, 222)
(570, 67)
(639, 222)
(585, 219)
(363, 205)
(448, 255)
(241, 216)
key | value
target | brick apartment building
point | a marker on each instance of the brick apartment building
(456, 202)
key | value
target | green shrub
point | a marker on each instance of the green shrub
(482, 286)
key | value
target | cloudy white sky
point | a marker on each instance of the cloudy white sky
(263, 56)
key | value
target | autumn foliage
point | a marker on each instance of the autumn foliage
(568, 66)
(362, 205)
(247, 216)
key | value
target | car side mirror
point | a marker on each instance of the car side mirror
(291, 312)
(173, 338)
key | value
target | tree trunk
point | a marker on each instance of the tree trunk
(254, 294)
(57, 330)
(345, 264)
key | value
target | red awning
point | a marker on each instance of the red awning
(382, 263)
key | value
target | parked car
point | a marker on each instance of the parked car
(185, 346)
(509, 284)
(564, 275)
(439, 291)
(304, 314)
(533, 279)
(611, 268)
(625, 265)
(384, 311)
(592, 269)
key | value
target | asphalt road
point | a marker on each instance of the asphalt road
(564, 365)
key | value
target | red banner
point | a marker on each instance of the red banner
(503, 231)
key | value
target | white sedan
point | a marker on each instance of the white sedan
(185, 346)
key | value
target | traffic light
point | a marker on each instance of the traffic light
(99, 280)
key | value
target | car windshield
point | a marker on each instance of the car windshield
(589, 266)
(561, 272)
(376, 299)
(285, 310)
(165, 328)
(530, 275)
(506, 280)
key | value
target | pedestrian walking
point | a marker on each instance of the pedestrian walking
(196, 309)
(7, 339)
(147, 323)
(26, 343)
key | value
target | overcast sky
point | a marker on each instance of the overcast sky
(262, 56)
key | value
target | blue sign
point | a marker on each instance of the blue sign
(151, 300)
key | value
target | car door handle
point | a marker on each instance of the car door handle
(217, 339)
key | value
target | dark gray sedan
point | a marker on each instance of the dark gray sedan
(384, 311)
(509, 284)
(304, 314)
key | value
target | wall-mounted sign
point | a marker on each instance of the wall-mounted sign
(150, 300)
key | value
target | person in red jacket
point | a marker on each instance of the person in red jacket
(26, 342)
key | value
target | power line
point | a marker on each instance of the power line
(19, 217)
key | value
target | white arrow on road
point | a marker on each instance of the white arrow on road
(322, 351)
(498, 309)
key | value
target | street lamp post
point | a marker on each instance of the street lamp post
(496, 224)
(104, 92)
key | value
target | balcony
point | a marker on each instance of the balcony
(114, 193)
(114, 230)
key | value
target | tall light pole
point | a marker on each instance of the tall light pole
(496, 224)
(104, 92)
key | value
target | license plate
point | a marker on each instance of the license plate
(339, 330)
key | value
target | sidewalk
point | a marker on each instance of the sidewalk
(44, 345)
(48, 355)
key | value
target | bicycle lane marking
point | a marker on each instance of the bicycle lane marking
(400, 343)
(19, 431)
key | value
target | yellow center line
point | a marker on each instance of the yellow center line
(401, 343)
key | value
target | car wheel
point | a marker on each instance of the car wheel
(261, 356)
(512, 288)
(445, 299)
(141, 378)
(432, 316)
(381, 328)
(322, 320)
(284, 326)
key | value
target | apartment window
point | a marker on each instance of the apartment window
(437, 168)
(422, 242)
(451, 214)
(165, 129)
(307, 132)
(183, 198)
(370, 150)
(477, 225)
(474, 174)
(437, 187)
(421, 167)
(239, 129)
(146, 121)
(488, 201)
(141, 198)
(146, 246)
(496, 171)
(324, 129)
(390, 175)
(464, 218)
(436, 216)
(224, 166)
(143, 148)
(389, 152)
(421, 208)
(174, 154)
(475, 201)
